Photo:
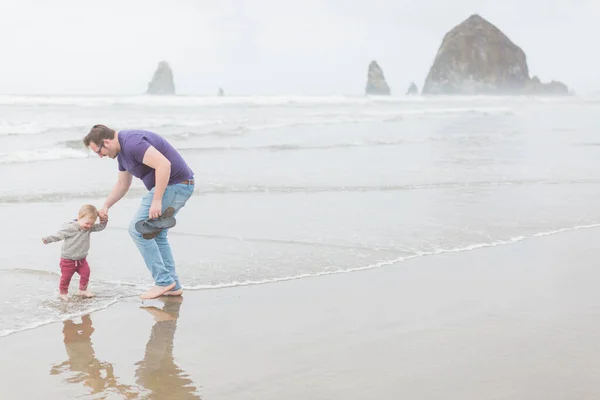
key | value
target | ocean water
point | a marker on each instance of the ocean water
(291, 187)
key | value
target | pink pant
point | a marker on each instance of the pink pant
(68, 268)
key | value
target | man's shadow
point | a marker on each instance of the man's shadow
(82, 364)
(157, 372)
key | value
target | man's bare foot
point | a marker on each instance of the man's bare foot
(86, 293)
(63, 297)
(159, 315)
(156, 291)
(177, 292)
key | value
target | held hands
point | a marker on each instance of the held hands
(44, 241)
(155, 209)
(103, 213)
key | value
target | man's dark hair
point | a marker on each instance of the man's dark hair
(97, 134)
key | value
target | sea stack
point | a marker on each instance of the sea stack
(162, 81)
(475, 57)
(376, 84)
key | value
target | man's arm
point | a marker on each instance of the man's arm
(119, 190)
(162, 171)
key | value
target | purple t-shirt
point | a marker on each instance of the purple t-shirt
(134, 144)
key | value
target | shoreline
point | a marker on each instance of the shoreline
(395, 263)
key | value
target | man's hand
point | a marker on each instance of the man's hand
(103, 219)
(103, 214)
(155, 209)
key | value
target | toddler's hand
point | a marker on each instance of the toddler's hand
(44, 241)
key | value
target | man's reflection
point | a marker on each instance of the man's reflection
(157, 372)
(83, 364)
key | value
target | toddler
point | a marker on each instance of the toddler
(76, 236)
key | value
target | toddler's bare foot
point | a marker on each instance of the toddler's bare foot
(156, 291)
(177, 292)
(86, 293)
(63, 297)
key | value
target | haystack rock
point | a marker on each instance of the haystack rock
(412, 89)
(475, 57)
(376, 84)
(221, 92)
(162, 81)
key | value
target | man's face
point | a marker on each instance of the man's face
(105, 149)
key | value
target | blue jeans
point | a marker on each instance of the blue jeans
(157, 251)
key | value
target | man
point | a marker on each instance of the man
(170, 183)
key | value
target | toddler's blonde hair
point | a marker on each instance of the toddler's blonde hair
(88, 210)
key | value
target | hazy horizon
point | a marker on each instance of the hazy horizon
(272, 48)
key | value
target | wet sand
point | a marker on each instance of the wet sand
(517, 321)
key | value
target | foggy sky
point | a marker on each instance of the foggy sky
(309, 47)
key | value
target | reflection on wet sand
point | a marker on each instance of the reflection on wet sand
(157, 372)
(82, 365)
(157, 375)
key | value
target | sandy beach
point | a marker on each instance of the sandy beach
(516, 321)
